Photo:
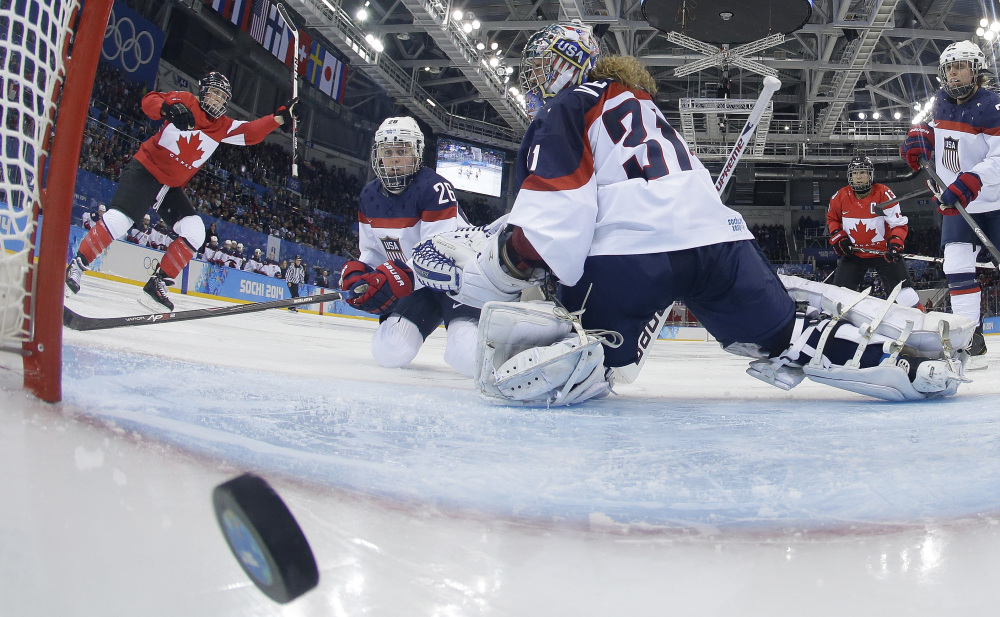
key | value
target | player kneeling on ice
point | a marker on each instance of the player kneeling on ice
(193, 128)
(616, 209)
(406, 204)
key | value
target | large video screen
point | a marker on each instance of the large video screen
(470, 168)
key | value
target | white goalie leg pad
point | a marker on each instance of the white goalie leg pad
(396, 342)
(777, 372)
(528, 352)
(891, 382)
(460, 346)
(550, 374)
(925, 327)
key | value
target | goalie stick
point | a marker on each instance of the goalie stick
(75, 321)
(295, 87)
(628, 373)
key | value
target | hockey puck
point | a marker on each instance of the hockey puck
(264, 537)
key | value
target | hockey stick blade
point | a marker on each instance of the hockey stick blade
(75, 321)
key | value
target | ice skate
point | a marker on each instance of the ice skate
(977, 351)
(155, 296)
(74, 274)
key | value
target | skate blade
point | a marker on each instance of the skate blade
(152, 305)
(977, 363)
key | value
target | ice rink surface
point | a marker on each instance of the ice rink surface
(697, 490)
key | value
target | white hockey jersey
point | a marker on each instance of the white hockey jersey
(967, 138)
(601, 172)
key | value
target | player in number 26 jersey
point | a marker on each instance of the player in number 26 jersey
(613, 204)
(406, 204)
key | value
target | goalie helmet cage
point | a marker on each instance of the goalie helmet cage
(48, 61)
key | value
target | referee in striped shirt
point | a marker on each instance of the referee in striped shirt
(294, 275)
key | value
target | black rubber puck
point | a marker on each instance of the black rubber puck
(265, 538)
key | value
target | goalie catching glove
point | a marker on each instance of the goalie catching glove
(376, 290)
(177, 114)
(474, 265)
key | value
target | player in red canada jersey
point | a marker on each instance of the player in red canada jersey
(193, 128)
(855, 224)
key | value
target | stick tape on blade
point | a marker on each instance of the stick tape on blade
(263, 535)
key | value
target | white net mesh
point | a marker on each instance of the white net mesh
(32, 39)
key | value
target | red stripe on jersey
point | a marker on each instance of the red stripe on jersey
(389, 223)
(962, 127)
(962, 292)
(431, 216)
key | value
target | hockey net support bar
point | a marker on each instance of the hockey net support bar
(40, 47)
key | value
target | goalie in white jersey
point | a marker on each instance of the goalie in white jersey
(614, 206)
(963, 140)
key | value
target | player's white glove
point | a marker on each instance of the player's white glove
(466, 264)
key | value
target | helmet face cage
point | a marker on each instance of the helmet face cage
(961, 55)
(861, 174)
(214, 93)
(397, 152)
(555, 58)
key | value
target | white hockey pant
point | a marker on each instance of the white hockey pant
(397, 340)
(535, 353)
(922, 354)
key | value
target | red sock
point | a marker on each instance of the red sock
(179, 253)
(95, 242)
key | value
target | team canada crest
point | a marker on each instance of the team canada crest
(950, 156)
(392, 248)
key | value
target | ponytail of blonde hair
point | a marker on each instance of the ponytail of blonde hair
(626, 70)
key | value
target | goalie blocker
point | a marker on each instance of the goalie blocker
(537, 353)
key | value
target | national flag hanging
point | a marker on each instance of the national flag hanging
(314, 72)
(242, 14)
(272, 29)
(281, 45)
(331, 71)
(305, 44)
(260, 10)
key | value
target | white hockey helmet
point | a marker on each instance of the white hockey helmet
(239, 246)
(861, 174)
(966, 52)
(101, 209)
(554, 58)
(400, 142)
(213, 94)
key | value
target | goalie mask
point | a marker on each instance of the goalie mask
(397, 152)
(214, 93)
(959, 56)
(556, 57)
(861, 174)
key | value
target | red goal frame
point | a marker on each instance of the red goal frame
(43, 351)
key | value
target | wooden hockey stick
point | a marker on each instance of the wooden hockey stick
(75, 321)
(994, 253)
(295, 88)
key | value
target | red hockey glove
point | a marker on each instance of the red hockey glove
(352, 272)
(178, 114)
(963, 190)
(919, 142)
(841, 243)
(283, 115)
(894, 249)
(385, 286)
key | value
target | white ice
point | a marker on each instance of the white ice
(695, 491)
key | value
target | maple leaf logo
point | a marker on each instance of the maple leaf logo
(862, 235)
(189, 149)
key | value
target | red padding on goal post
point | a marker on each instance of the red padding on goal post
(43, 362)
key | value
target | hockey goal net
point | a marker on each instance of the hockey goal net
(48, 58)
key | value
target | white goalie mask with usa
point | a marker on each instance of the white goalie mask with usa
(556, 57)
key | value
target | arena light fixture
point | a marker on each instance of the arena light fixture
(362, 13)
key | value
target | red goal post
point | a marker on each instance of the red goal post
(49, 51)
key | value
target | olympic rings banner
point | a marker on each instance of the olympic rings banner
(132, 44)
